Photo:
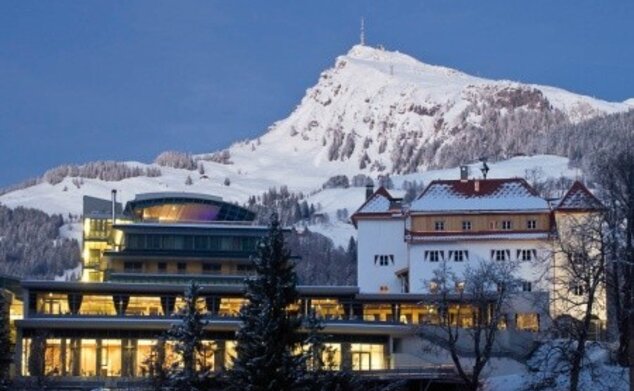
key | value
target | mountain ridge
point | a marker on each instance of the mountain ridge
(386, 112)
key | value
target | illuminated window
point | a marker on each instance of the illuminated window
(327, 308)
(366, 357)
(527, 321)
(377, 312)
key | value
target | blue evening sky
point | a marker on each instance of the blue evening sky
(125, 80)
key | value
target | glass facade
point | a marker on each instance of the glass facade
(172, 242)
(89, 357)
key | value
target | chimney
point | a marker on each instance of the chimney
(369, 189)
(476, 186)
(464, 173)
(114, 205)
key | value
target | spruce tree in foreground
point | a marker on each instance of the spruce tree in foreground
(187, 336)
(268, 354)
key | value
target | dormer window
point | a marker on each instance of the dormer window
(507, 225)
(466, 225)
(439, 225)
(531, 224)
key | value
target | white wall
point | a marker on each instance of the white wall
(380, 237)
(421, 270)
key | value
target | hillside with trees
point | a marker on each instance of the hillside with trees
(31, 246)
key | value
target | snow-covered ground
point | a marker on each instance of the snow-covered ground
(545, 371)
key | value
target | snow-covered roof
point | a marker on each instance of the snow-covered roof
(512, 194)
(381, 201)
(579, 198)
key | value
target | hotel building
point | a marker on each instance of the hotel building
(139, 259)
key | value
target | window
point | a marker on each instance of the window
(459, 286)
(527, 286)
(507, 224)
(531, 224)
(181, 267)
(201, 243)
(162, 267)
(500, 255)
(466, 225)
(434, 255)
(460, 255)
(211, 268)
(527, 321)
(433, 287)
(132, 267)
(384, 288)
(439, 225)
(526, 255)
(384, 260)
(245, 268)
(577, 290)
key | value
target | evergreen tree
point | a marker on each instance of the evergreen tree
(187, 336)
(268, 339)
(323, 373)
(5, 342)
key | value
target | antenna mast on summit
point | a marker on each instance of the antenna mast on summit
(362, 35)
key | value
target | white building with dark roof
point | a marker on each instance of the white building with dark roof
(461, 222)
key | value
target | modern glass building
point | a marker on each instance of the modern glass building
(138, 261)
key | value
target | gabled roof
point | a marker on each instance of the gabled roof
(380, 203)
(579, 198)
(510, 194)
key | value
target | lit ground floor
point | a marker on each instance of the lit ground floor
(128, 353)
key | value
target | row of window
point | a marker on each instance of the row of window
(189, 242)
(527, 286)
(463, 255)
(506, 225)
(181, 267)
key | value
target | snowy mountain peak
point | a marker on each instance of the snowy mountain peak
(379, 112)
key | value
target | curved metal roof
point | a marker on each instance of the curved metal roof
(173, 206)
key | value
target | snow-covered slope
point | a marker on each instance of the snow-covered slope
(382, 111)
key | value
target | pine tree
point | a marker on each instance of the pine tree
(187, 336)
(189, 180)
(323, 373)
(268, 339)
(5, 342)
